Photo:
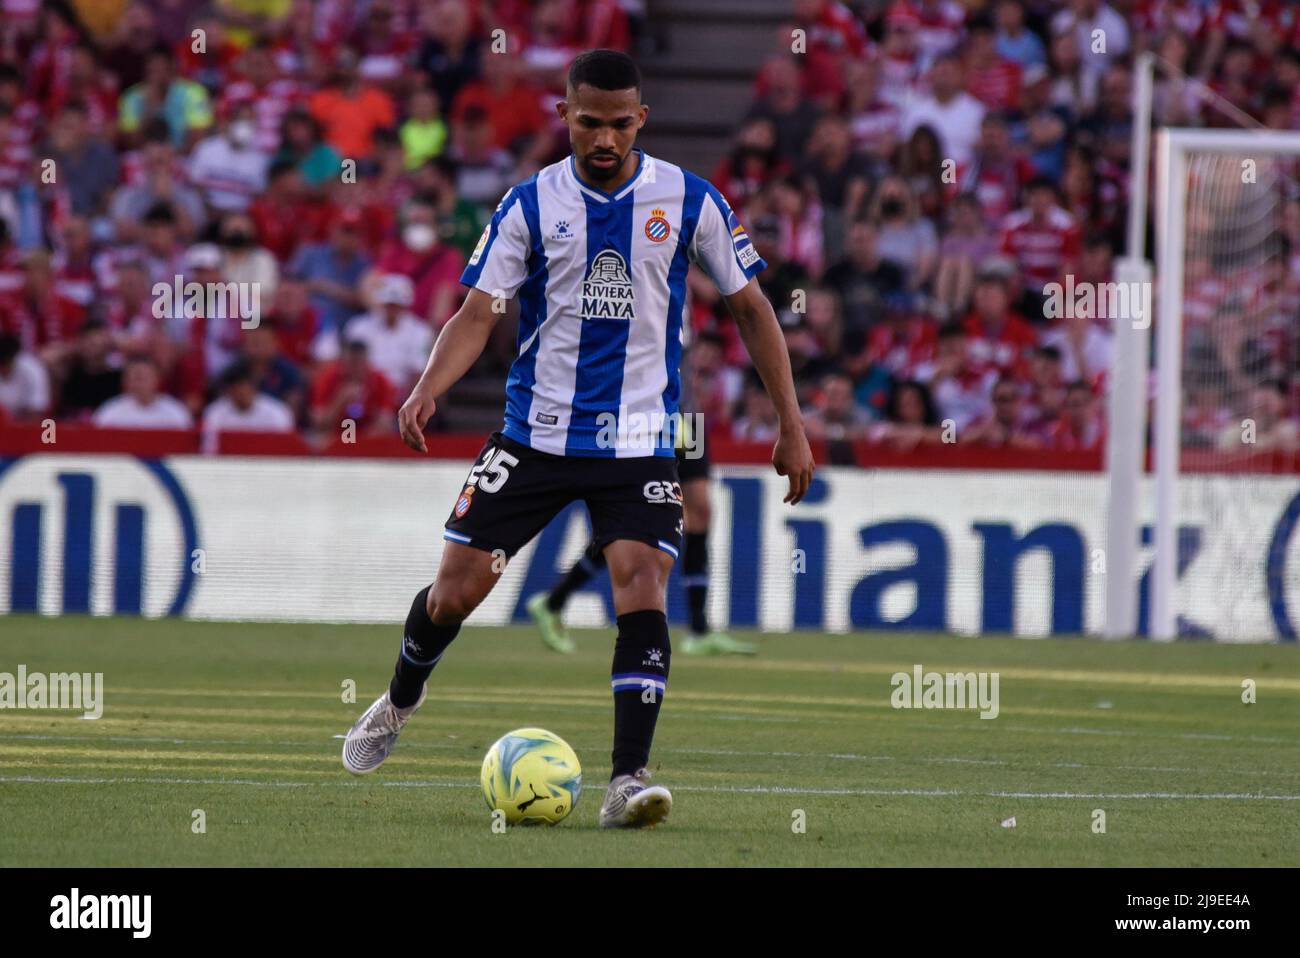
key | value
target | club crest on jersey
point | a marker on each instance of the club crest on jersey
(745, 251)
(607, 290)
(657, 227)
(465, 501)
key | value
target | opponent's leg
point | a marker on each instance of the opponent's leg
(545, 607)
(642, 651)
(465, 577)
(695, 568)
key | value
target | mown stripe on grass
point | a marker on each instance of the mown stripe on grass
(726, 789)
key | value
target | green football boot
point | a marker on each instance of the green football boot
(549, 625)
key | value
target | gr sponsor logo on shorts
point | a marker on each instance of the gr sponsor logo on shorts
(659, 492)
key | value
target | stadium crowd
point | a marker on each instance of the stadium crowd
(915, 178)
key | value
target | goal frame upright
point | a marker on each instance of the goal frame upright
(1173, 147)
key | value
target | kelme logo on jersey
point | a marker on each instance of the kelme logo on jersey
(745, 251)
(657, 226)
(607, 290)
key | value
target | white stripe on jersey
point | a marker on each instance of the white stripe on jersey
(605, 275)
(566, 265)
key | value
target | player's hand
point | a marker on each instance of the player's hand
(793, 458)
(411, 419)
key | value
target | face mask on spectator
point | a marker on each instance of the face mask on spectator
(238, 239)
(418, 236)
(241, 133)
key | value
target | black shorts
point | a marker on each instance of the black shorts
(693, 467)
(696, 465)
(512, 492)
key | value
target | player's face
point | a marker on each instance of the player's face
(603, 125)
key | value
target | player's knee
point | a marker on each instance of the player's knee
(646, 578)
(450, 602)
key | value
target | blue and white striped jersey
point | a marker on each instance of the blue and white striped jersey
(601, 281)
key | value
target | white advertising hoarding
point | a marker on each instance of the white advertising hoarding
(337, 540)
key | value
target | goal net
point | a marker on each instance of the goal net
(1227, 340)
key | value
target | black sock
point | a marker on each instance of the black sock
(695, 575)
(639, 678)
(422, 646)
(582, 572)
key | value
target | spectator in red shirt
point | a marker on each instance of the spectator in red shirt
(271, 95)
(1000, 338)
(74, 274)
(287, 215)
(1006, 424)
(997, 171)
(384, 44)
(832, 28)
(350, 388)
(1043, 240)
(293, 318)
(1080, 426)
(49, 319)
(990, 78)
(513, 106)
(905, 340)
(433, 266)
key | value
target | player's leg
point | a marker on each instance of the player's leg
(511, 493)
(545, 607)
(639, 677)
(696, 497)
(636, 518)
(465, 577)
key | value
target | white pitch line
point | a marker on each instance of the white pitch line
(725, 752)
(725, 789)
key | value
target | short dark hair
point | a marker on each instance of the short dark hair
(1041, 183)
(239, 371)
(604, 70)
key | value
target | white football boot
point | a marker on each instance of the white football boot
(370, 740)
(631, 802)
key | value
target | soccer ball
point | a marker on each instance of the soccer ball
(532, 776)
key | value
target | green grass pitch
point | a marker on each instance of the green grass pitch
(240, 720)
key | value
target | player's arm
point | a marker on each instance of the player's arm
(460, 343)
(766, 346)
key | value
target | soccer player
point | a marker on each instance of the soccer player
(596, 249)
(693, 471)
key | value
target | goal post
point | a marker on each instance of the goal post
(1126, 410)
(1220, 195)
